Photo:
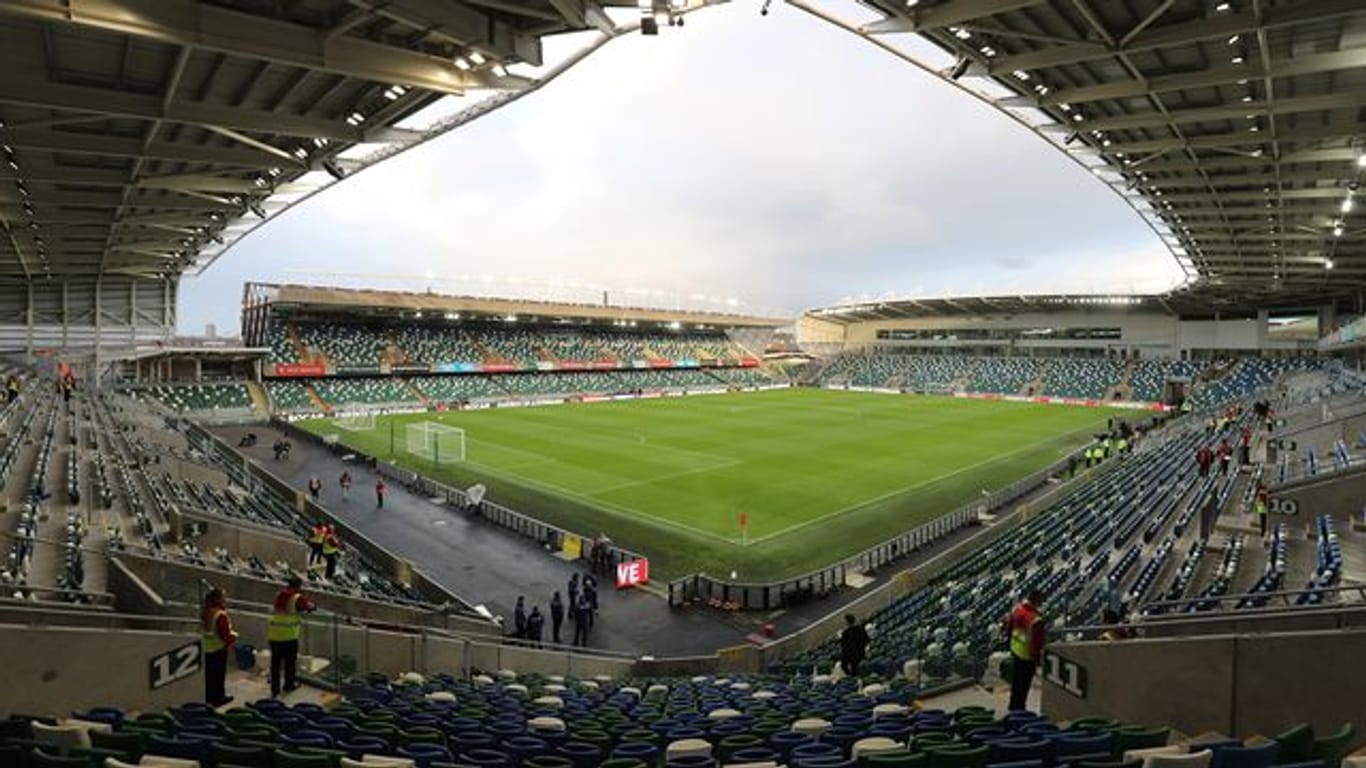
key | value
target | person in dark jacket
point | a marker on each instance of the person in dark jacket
(573, 597)
(519, 619)
(583, 620)
(853, 645)
(556, 617)
(535, 625)
(590, 593)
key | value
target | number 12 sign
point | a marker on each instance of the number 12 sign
(173, 665)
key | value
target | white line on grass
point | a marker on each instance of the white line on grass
(660, 478)
(922, 484)
(605, 506)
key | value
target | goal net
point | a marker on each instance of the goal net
(355, 418)
(435, 442)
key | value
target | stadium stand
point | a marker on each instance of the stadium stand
(1083, 378)
(197, 397)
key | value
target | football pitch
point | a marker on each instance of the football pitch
(819, 475)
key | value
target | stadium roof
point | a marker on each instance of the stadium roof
(143, 137)
(903, 309)
(404, 304)
(1233, 126)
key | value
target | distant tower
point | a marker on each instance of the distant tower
(210, 331)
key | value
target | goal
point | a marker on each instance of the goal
(355, 418)
(435, 442)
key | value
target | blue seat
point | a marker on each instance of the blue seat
(184, 748)
(521, 747)
(356, 746)
(832, 761)
(1022, 750)
(691, 761)
(639, 750)
(1069, 746)
(423, 754)
(755, 755)
(307, 738)
(814, 751)
(1260, 756)
(486, 758)
(583, 754)
(783, 742)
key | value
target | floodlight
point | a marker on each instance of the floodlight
(462, 63)
(477, 58)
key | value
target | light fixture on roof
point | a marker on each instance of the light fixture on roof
(499, 70)
(1327, 263)
(1237, 59)
(461, 63)
(1233, 39)
(477, 58)
(1337, 230)
(1347, 205)
(394, 92)
(355, 118)
(1361, 161)
(912, 3)
(300, 152)
(1221, 8)
(961, 34)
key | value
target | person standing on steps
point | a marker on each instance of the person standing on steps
(853, 645)
(556, 617)
(315, 488)
(573, 597)
(332, 547)
(535, 625)
(379, 493)
(1024, 628)
(519, 619)
(217, 638)
(583, 620)
(345, 483)
(283, 632)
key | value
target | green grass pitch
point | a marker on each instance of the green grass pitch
(821, 475)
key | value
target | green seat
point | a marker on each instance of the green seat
(1093, 724)
(96, 757)
(422, 735)
(957, 756)
(285, 759)
(1138, 737)
(242, 756)
(387, 733)
(547, 761)
(1109, 764)
(600, 739)
(924, 741)
(40, 759)
(334, 756)
(642, 735)
(734, 743)
(892, 760)
(1331, 749)
(130, 742)
(623, 762)
(258, 732)
(1296, 744)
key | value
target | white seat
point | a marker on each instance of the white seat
(1355, 761)
(1199, 759)
(546, 724)
(347, 762)
(1142, 754)
(61, 737)
(874, 690)
(506, 674)
(385, 761)
(763, 695)
(482, 680)
(700, 678)
(875, 744)
(911, 669)
(159, 761)
(890, 710)
(440, 696)
(630, 690)
(822, 679)
(811, 726)
(723, 713)
(412, 678)
(602, 679)
(656, 688)
(558, 679)
(552, 702)
(112, 762)
(555, 688)
(588, 685)
(516, 688)
(685, 747)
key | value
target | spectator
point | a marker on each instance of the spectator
(535, 626)
(853, 645)
(345, 483)
(283, 632)
(11, 389)
(1225, 454)
(1204, 458)
(1244, 446)
(379, 493)
(315, 487)
(278, 449)
(519, 619)
(573, 597)
(556, 617)
(583, 620)
(1024, 628)
(590, 592)
(217, 638)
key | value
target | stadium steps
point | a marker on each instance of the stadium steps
(1124, 387)
(260, 402)
(300, 351)
(969, 373)
(316, 399)
(1039, 384)
(417, 393)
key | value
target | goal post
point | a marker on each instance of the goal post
(355, 418)
(437, 443)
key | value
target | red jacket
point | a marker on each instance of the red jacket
(1025, 618)
(222, 627)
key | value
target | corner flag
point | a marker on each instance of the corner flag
(744, 527)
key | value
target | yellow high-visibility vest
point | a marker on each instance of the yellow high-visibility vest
(285, 625)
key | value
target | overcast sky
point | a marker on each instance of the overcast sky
(777, 161)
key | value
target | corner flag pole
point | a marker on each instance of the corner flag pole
(744, 529)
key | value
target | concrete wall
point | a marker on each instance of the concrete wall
(1239, 685)
(53, 670)
(241, 538)
(1341, 494)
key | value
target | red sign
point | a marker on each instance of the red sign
(300, 369)
(633, 573)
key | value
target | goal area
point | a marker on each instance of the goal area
(355, 418)
(437, 443)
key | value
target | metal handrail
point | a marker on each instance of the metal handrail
(1285, 597)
